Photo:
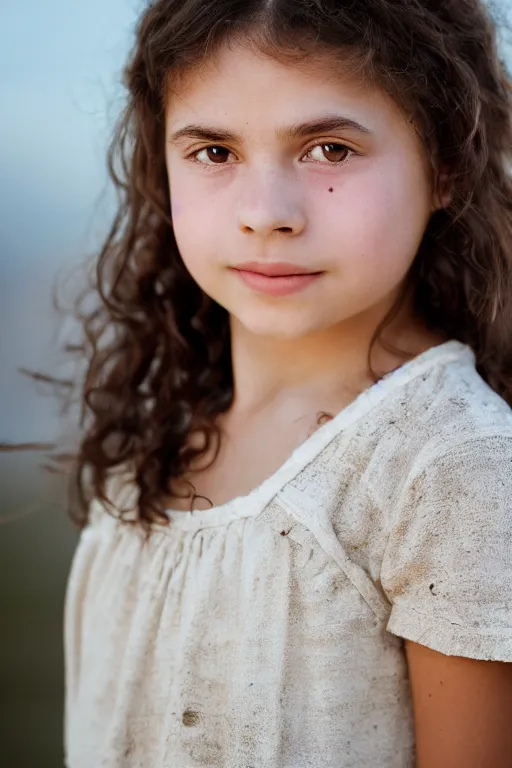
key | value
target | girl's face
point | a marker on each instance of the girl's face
(300, 173)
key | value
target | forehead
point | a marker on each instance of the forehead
(243, 85)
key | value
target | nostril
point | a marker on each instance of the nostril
(284, 229)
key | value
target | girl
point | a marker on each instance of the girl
(296, 466)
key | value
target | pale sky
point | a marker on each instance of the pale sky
(60, 65)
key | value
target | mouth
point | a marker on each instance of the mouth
(277, 269)
(278, 279)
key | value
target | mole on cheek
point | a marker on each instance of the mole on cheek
(331, 189)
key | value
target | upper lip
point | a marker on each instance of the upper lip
(274, 269)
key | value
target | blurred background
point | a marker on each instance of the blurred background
(60, 69)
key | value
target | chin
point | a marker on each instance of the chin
(278, 328)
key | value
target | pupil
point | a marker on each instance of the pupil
(334, 152)
(217, 154)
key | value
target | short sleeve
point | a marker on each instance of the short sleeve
(447, 567)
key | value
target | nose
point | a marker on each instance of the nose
(269, 203)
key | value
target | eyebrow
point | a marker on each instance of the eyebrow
(296, 131)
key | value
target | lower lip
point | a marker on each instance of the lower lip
(284, 285)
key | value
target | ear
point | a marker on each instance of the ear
(442, 192)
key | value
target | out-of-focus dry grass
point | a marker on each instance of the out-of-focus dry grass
(36, 545)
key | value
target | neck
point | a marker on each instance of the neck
(320, 365)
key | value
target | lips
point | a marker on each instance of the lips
(277, 279)
(278, 269)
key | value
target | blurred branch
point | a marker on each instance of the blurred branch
(45, 378)
(13, 447)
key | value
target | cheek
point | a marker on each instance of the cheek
(376, 220)
(197, 221)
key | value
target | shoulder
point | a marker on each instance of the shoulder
(439, 425)
(434, 410)
(446, 566)
(450, 411)
(454, 503)
(451, 394)
(430, 408)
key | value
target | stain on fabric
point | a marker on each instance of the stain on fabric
(191, 718)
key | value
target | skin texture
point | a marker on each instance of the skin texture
(463, 710)
(276, 196)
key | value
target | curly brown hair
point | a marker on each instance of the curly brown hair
(157, 347)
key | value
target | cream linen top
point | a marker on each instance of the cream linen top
(267, 632)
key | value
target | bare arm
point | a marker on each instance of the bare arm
(462, 710)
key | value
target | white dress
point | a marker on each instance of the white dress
(267, 632)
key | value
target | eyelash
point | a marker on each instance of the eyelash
(350, 152)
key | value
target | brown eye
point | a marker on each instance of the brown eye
(332, 152)
(335, 153)
(213, 155)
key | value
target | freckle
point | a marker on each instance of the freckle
(331, 189)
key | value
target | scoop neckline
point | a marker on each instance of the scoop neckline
(256, 500)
